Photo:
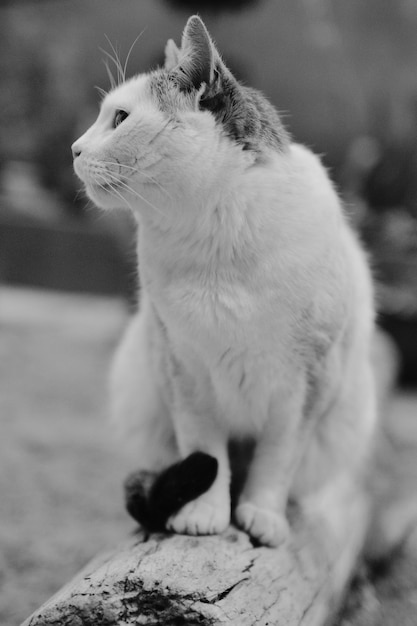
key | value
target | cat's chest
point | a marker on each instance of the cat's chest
(225, 322)
(228, 373)
(207, 310)
(227, 348)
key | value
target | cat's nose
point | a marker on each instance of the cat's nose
(76, 150)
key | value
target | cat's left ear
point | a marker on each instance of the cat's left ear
(172, 55)
(200, 62)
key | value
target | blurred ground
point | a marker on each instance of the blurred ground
(60, 472)
(60, 475)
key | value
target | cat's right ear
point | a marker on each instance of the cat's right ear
(199, 56)
(172, 55)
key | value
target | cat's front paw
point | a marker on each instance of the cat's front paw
(200, 517)
(265, 526)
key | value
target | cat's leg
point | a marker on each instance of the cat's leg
(197, 429)
(209, 513)
(311, 457)
(139, 408)
(261, 510)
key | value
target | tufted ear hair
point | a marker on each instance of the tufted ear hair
(172, 55)
(200, 61)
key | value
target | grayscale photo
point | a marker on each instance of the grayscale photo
(208, 312)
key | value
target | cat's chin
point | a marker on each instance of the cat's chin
(103, 199)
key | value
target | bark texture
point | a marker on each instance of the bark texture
(178, 580)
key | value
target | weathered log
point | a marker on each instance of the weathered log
(173, 580)
(162, 579)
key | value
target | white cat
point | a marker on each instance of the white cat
(256, 304)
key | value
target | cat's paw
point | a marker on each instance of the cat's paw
(200, 517)
(265, 526)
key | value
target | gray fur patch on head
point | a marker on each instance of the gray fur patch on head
(243, 114)
(246, 116)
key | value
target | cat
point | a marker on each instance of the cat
(256, 309)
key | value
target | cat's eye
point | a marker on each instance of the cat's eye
(119, 117)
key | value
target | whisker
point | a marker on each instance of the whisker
(130, 167)
(102, 92)
(113, 189)
(155, 182)
(138, 171)
(116, 180)
(112, 80)
(130, 52)
(116, 163)
(89, 205)
(116, 61)
(78, 193)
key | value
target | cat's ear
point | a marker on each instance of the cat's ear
(200, 61)
(172, 55)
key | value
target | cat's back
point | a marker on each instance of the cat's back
(344, 265)
(310, 253)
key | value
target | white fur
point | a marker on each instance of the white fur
(256, 309)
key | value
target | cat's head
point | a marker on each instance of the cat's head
(175, 132)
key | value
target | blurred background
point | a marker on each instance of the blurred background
(343, 74)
